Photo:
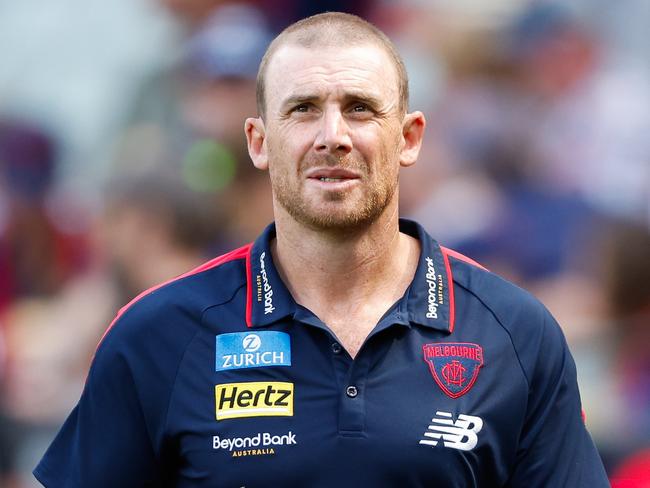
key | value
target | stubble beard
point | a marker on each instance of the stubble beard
(377, 196)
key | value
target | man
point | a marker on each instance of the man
(343, 347)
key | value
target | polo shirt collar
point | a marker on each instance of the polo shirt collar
(430, 297)
(427, 302)
(269, 299)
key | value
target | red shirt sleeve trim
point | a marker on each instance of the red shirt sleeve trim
(446, 252)
(450, 286)
(461, 257)
(249, 290)
(242, 252)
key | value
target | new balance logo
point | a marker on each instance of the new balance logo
(460, 434)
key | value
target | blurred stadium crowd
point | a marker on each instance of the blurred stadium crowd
(123, 163)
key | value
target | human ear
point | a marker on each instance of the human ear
(256, 140)
(412, 135)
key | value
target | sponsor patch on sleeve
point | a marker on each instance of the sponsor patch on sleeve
(240, 350)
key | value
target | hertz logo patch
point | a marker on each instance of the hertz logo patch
(254, 399)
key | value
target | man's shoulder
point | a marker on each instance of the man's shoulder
(175, 306)
(530, 327)
(515, 309)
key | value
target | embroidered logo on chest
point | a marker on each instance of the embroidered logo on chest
(454, 365)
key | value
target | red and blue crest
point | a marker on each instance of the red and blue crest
(454, 365)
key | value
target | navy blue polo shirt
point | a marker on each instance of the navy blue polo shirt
(220, 379)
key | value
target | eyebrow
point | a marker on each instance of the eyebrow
(359, 96)
(298, 99)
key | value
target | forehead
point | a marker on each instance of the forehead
(324, 71)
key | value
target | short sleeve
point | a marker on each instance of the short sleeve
(104, 442)
(555, 448)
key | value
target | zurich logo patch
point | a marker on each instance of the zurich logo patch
(454, 365)
(240, 350)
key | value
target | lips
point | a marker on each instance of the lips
(332, 175)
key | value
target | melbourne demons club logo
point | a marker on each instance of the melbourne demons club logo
(454, 365)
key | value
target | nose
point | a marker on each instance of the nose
(333, 136)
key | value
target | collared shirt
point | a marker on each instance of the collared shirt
(220, 379)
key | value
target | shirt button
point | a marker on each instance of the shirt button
(336, 348)
(351, 391)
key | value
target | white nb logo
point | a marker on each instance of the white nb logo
(457, 435)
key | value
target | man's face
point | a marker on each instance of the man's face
(333, 134)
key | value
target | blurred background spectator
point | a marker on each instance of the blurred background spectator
(123, 164)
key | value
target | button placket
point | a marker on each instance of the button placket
(352, 406)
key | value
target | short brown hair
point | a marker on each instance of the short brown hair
(332, 29)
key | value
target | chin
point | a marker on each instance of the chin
(343, 220)
(336, 212)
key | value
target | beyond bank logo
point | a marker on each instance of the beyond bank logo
(265, 286)
(435, 290)
(245, 350)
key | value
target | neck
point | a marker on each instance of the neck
(323, 268)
